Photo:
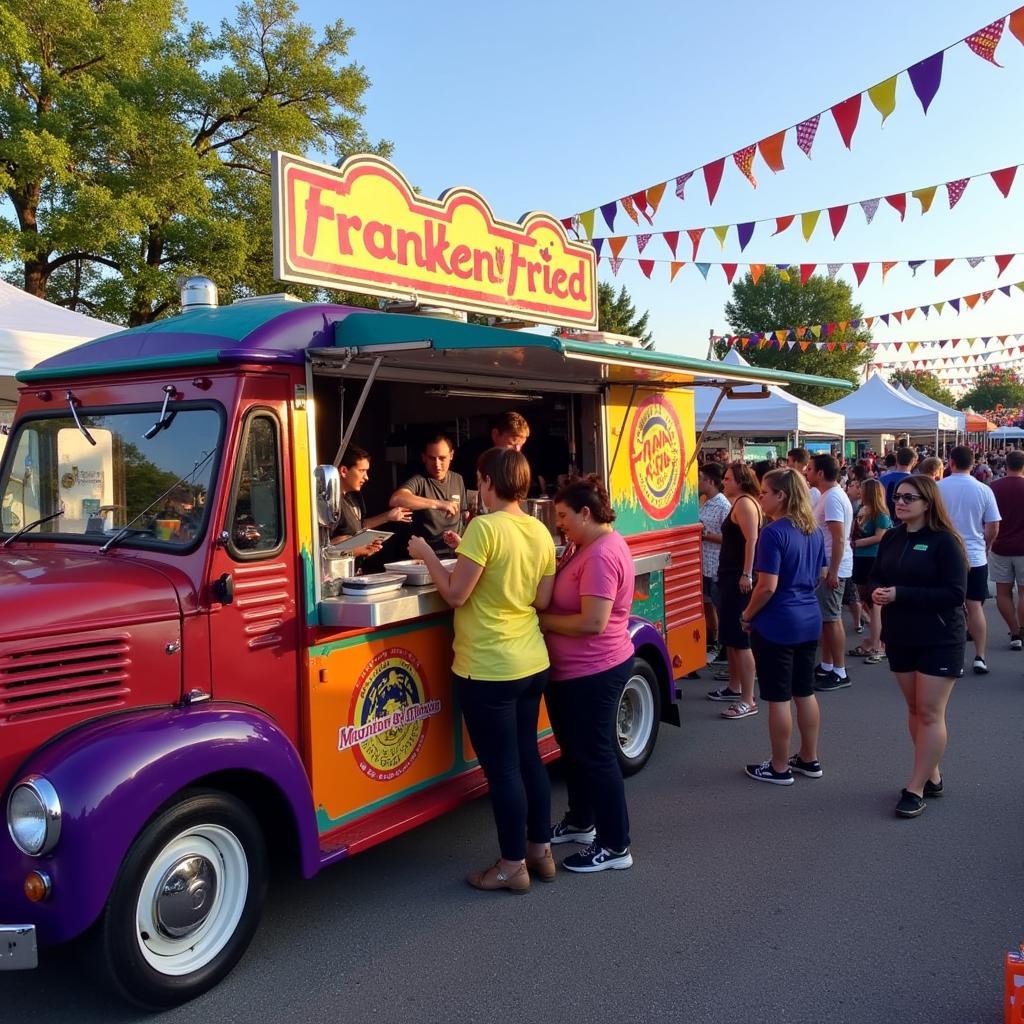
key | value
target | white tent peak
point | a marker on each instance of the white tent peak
(877, 407)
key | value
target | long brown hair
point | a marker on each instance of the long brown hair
(872, 502)
(745, 478)
(936, 518)
(797, 508)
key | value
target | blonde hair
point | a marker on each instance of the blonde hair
(797, 504)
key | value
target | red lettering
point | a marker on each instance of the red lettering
(315, 212)
(516, 263)
(558, 279)
(404, 238)
(377, 239)
(433, 250)
(532, 270)
(462, 255)
(479, 259)
(345, 225)
(577, 285)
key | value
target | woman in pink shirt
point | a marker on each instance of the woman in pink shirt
(586, 627)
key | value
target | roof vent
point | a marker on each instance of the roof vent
(414, 308)
(604, 337)
(198, 293)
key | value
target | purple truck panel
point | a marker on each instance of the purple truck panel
(113, 774)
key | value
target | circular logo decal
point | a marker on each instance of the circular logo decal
(656, 457)
(389, 715)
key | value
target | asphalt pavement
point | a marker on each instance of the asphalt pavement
(747, 902)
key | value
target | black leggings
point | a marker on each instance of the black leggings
(502, 721)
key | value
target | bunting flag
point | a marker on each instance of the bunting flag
(955, 189)
(808, 221)
(1004, 179)
(836, 218)
(932, 345)
(870, 208)
(925, 78)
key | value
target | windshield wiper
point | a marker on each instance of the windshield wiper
(31, 526)
(166, 419)
(72, 402)
(123, 532)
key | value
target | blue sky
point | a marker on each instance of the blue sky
(561, 107)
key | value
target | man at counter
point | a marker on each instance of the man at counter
(437, 498)
(354, 472)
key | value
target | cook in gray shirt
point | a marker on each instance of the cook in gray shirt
(437, 497)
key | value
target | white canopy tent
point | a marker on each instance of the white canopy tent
(922, 399)
(779, 414)
(876, 407)
(32, 330)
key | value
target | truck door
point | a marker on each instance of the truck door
(254, 627)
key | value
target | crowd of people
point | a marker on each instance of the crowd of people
(906, 544)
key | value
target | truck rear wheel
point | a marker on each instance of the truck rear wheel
(638, 717)
(186, 902)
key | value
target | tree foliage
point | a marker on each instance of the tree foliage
(616, 314)
(926, 382)
(778, 300)
(135, 147)
(993, 391)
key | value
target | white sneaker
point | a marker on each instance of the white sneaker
(980, 668)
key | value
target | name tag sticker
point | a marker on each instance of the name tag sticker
(920, 547)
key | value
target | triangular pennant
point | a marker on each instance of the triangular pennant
(703, 268)
(868, 322)
(681, 184)
(836, 218)
(615, 264)
(744, 232)
(1004, 180)
(783, 273)
(985, 296)
(833, 269)
(1005, 289)
(831, 346)
(870, 208)
(720, 232)
(616, 243)
(886, 267)
(641, 242)
(671, 239)
(804, 346)
(630, 208)
(914, 264)
(955, 303)
(940, 266)
(806, 269)
(924, 309)
(1002, 262)
(816, 330)
(954, 343)
(695, 237)
(973, 261)
(808, 221)
(567, 223)
(985, 40)
(972, 300)
(885, 317)
(646, 266)
(608, 211)
(654, 194)
(955, 189)
(908, 313)
(713, 177)
(771, 150)
(639, 200)
(790, 344)
(842, 325)
(730, 271)
(744, 160)
(883, 96)
(898, 315)
(781, 223)
(846, 115)
(897, 345)
(597, 243)
(899, 203)
(674, 269)
(1016, 24)
(805, 132)
(925, 197)
(926, 77)
(860, 269)
(756, 270)
(800, 331)
(587, 223)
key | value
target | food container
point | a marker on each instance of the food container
(542, 509)
(372, 585)
(415, 571)
(337, 564)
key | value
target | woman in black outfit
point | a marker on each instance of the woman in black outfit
(920, 580)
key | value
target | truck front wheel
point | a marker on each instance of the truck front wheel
(639, 714)
(186, 901)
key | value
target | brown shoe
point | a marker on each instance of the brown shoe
(493, 878)
(543, 867)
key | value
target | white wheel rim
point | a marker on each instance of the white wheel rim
(225, 855)
(635, 718)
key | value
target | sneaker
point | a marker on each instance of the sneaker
(980, 668)
(832, 682)
(812, 769)
(875, 658)
(566, 832)
(494, 879)
(740, 710)
(764, 772)
(860, 630)
(725, 694)
(721, 674)
(820, 673)
(1016, 644)
(933, 788)
(910, 804)
(598, 858)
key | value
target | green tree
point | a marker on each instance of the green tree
(157, 160)
(992, 389)
(926, 382)
(779, 300)
(617, 315)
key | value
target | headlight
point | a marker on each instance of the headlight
(33, 816)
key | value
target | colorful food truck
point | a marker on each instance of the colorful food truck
(181, 692)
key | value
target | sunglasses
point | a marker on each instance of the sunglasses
(907, 498)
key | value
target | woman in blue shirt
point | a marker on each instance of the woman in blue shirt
(784, 621)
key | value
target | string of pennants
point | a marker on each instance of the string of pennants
(809, 219)
(805, 270)
(925, 77)
(812, 335)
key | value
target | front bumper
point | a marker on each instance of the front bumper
(18, 947)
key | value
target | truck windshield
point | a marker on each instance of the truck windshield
(50, 465)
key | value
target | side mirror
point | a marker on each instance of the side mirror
(328, 495)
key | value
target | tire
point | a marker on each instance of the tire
(160, 953)
(638, 718)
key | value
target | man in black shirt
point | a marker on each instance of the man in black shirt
(437, 498)
(354, 472)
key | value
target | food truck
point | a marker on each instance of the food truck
(182, 690)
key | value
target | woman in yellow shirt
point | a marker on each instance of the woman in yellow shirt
(504, 574)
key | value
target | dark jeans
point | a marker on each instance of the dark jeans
(502, 721)
(582, 713)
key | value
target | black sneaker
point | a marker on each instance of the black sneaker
(764, 772)
(725, 694)
(812, 769)
(1016, 643)
(598, 858)
(910, 805)
(821, 673)
(832, 681)
(980, 667)
(933, 788)
(566, 832)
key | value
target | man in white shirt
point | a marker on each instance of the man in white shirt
(712, 514)
(973, 511)
(834, 514)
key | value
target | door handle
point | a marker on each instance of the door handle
(224, 588)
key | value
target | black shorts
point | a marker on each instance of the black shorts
(977, 583)
(946, 662)
(732, 604)
(850, 593)
(709, 588)
(784, 671)
(862, 565)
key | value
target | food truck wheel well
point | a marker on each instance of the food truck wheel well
(669, 705)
